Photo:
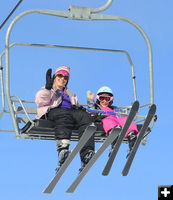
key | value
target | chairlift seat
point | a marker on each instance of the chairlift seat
(44, 129)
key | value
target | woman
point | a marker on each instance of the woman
(57, 103)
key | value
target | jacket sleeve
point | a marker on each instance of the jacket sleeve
(43, 97)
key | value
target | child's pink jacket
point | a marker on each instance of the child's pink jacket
(111, 121)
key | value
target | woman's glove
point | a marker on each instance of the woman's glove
(49, 79)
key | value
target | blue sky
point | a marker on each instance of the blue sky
(27, 166)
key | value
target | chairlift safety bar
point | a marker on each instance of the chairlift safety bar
(65, 47)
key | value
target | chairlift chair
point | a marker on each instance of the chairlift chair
(43, 129)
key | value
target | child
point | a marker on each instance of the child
(104, 101)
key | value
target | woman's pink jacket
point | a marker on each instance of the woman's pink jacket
(47, 99)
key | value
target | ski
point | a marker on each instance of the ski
(132, 154)
(89, 131)
(114, 133)
(113, 154)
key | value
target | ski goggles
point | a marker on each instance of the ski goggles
(62, 76)
(105, 98)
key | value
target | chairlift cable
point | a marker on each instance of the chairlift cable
(10, 14)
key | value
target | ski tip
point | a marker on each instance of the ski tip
(124, 172)
(153, 108)
(136, 102)
(135, 105)
(104, 173)
(46, 192)
(69, 190)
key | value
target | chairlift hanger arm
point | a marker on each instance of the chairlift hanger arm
(88, 16)
(104, 7)
(90, 10)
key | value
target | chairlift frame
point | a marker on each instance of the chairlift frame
(73, 13)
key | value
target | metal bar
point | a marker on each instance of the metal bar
(150, 59)
(104, 7)
(23, 101)
(88, 49)
(7, 130)
(2, 90)
(133, 77)
(145, 105)
(23, 107)
(7, 81)
(110, 17)
(70, 47)
(29, 110)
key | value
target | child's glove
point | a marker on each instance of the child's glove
(90, 97)
(96, 117)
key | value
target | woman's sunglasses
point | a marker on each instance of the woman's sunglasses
(105, 98)
(62, 76)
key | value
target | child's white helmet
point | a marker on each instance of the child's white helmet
(105, 89)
